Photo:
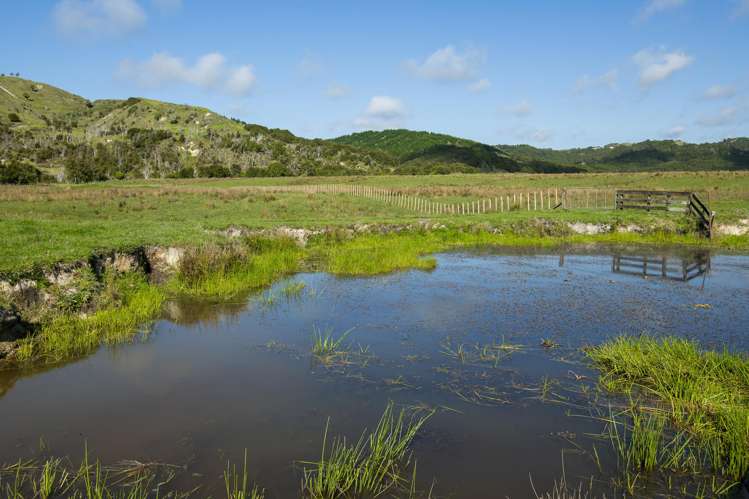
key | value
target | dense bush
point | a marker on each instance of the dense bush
(214, 170)
(16, 172)
(82, 170)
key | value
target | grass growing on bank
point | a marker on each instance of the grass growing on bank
(225, 271)
(372, 254)
(689, 409)
(133, 302)
(379, 463)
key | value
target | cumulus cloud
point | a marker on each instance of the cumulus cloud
(336, 91)
(449, 64)
(382, 112)
(606, 80)
(726, 116)
(653, 7)
(210, 72)
(519, 110)
(98, 17)
(479, 86)
(657, 65)
(241, 80)
(720, 92)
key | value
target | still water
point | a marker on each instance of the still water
(212, 380)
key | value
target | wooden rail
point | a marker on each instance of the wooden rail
(686, 202)
(704, 216)
(652, 200)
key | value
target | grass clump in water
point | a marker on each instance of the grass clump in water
(225, 271)
(325, 346)
(236, 484)
(379, 463)
(699, 404)
(56, 477)
(127, 302)
(293, 290)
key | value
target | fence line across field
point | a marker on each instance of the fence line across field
(502, 201)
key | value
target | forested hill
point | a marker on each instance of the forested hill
(45, 129)
(427, 152)
(729, 154)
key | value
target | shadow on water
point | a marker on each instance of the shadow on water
(491, 338)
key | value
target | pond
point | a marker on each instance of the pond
(492, 339)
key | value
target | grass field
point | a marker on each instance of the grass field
(45, 224)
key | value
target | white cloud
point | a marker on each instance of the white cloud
(336, 91)
(382, 112)
(98, 17)
(720, 92)
(449, 64)
(674, 132)
(726, 116)
(241, 80)
(654, 7)
(657, 65)
(742, 9)
(210, 72)
(520, 110)
(606, 80)
(479, 86)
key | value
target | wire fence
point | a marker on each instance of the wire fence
(502, 201)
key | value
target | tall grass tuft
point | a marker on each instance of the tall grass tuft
(325, 345)
(702, 395)
(375, 465)
(236, 484)
(225, 271)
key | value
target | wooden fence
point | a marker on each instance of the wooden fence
(501, 201)
(686, 202)
(652, 200)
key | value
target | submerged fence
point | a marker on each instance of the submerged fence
(501, 201)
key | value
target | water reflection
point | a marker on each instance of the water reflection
(673, 268)
(683, 267)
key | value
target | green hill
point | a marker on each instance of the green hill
(46, 130)
(426, 152)
(650, 155)
(30, 104)
(63, 134)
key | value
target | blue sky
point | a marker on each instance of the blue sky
(548, 73)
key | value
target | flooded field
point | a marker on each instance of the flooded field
(491, 339)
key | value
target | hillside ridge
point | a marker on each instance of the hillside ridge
(47, 130)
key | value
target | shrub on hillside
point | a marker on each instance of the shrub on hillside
(16, 172)
(82, 170)
(213, 170)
